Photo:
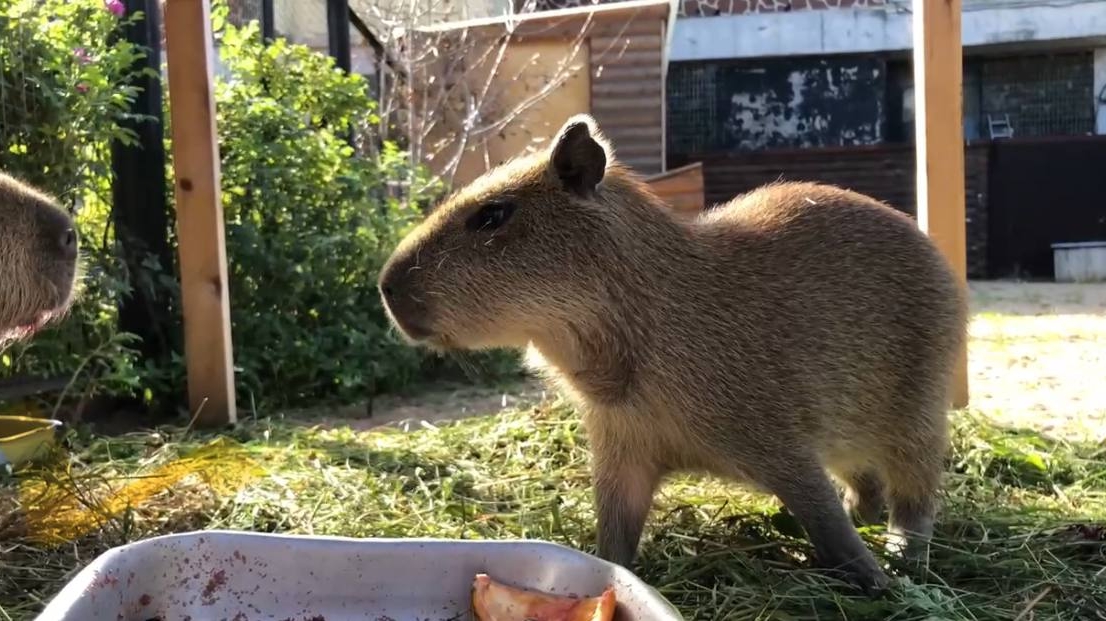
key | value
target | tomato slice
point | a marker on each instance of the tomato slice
(494, 601)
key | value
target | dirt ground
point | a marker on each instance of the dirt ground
(1037, 359)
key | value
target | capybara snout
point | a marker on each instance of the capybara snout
(39, 254)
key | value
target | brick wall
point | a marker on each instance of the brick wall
(885, 172)
(696, 8)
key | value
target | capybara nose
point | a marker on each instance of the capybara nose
(387, 285)
(407, 310)
(58, 234)
(387, 290)
(67, 244)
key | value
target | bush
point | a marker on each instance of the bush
(62, 89)
(309, 224)
(309, 218)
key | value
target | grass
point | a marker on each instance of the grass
(1022, 533)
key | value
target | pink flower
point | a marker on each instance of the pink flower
(116, 7)
(82, 88)
(82, 55)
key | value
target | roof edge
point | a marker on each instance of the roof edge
(662, 7)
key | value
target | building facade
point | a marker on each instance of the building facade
(748, 75)
(823, 90)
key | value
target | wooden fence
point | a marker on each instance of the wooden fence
(885, 172)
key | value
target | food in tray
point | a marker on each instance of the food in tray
(495, 601)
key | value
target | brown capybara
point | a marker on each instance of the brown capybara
(38, 259)
(797, 332)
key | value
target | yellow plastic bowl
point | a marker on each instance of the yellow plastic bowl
(24, 439)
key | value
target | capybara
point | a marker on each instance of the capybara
(38, 259)
(798, 332)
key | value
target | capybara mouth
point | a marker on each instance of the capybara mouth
(38, 321)
(29, 325)
(25, 329)
(414, 332)
(418, 334)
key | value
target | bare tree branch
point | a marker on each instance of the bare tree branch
(447, 94)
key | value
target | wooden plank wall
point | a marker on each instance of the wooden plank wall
(625, 45)
(885, 172)
(627, 88)
(681, 188)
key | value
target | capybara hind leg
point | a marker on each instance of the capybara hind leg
(913, 484)
(864, 497)
(912, 499)
(809, 494)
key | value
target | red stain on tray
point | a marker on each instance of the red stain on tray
(217, 581)
(145, 599)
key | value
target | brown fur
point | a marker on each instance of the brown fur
(796, 330)
(38, 260)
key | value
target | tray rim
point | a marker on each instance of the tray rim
(74, 588)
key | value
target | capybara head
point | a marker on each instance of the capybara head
(515, 251)
(38, 259)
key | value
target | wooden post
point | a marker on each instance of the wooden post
(939, 135)
(200, 227)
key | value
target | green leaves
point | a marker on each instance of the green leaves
(310, 220)
(64, 84)
(303, 210)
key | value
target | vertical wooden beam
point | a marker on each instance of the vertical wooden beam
(200, 227)
(939, 132)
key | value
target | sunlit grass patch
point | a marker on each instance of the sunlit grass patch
(1021, 530)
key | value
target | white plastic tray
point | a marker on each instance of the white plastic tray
(237, 576)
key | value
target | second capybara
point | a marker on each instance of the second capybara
(797, 335)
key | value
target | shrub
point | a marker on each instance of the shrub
(309, 224)
(62, 88)
(309, 218)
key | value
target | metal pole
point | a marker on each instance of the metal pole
(268, 22)
(337, 23)
(139, 209)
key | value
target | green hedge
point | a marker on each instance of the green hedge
(310, 220)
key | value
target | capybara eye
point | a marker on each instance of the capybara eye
(490, 217)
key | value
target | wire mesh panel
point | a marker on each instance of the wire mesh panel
(693, 121)
(242, 12)
(1044, 95)
(776, 103)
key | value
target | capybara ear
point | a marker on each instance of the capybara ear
(579, 158)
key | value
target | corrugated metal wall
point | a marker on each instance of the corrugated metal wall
(627, 89)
